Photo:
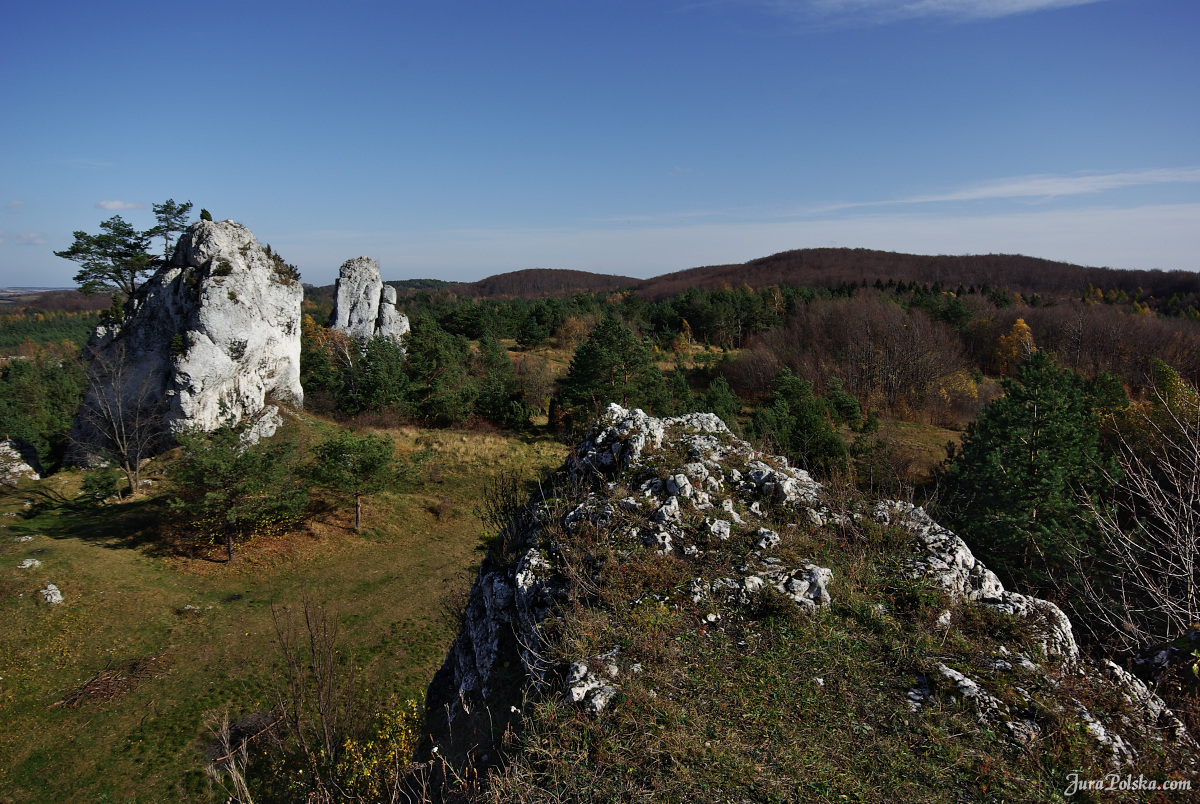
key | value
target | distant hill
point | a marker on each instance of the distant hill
(826, 267)
(403, 286)
(323, 294)
(52, 299)
(535, 283)
(822, 267)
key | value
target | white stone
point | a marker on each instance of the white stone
(720, 528)
(767, 538)
(363, 306)
(29, 563)
(18, 461)
(210, 338)
(51, 594)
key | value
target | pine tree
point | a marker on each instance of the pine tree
(172, 218)
(721, 400)
(501, 399)
(382, 382)
(117, 259)
(441, 389)
(682, 399)
(1014, 485)
(230, 491)
(800, 424)
(356, 466)
(612, 365)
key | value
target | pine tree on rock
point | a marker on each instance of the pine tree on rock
(116, 260)
(172, 219)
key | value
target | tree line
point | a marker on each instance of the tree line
(1079, 410)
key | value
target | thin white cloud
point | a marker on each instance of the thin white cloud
(880, 11)
(113, 206)
(1040, 186)
(1050, 186)
(24, 238)
(14, 206)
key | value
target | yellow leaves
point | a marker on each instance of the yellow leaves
(1015, 347)
(369, 767)
(1176, 393)
(958, 387)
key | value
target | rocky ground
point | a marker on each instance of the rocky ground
(725, 543)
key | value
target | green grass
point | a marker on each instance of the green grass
(126, 588)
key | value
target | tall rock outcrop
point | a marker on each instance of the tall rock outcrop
(363, 306)
(213, 336)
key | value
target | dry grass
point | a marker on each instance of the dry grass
(126, 595)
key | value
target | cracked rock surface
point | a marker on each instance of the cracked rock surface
(363, 306)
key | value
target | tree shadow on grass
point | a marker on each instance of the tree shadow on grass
(134, 524)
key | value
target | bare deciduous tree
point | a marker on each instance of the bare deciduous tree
(121, 418)
(1143, 587)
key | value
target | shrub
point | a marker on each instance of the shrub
(98, 485)
(231, 491)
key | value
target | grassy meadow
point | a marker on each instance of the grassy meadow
(172, 640)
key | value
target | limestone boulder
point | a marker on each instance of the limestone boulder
(211, 337)
(18, 460)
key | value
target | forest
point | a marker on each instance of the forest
(1056, 428)
(809, 371)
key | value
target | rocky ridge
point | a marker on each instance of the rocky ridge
(212, 337)
(363, 306)
(682, 488)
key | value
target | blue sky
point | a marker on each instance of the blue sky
(459, 139)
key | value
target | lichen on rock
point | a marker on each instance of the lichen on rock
(686, 496)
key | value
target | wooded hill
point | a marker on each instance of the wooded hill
(831, 267)
(536, 283)
(826, 267)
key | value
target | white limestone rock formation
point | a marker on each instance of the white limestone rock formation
(510, 602)
(686, 492)
(18, 461)
(363, 306)
(944, 559)
(212, 337)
